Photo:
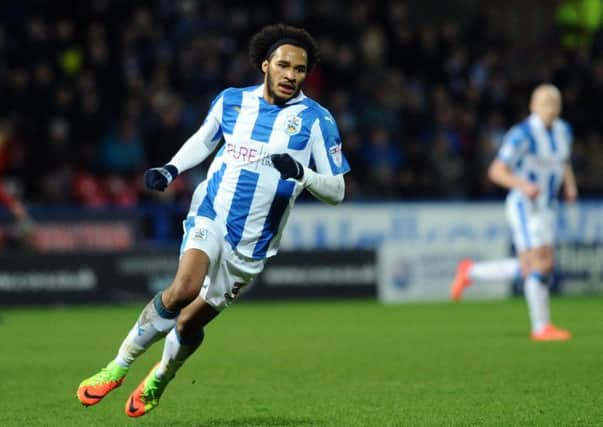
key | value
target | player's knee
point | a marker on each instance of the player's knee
(546, 268)
(546, 265)
(542, 277)
(183, 290)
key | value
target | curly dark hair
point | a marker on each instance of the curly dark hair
(264, 39)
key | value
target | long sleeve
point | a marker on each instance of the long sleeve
(194, 151)
(327, 188)
(203, 142)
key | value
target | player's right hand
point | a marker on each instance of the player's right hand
(530, 189)
(159, 178)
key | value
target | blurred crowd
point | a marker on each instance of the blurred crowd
(95, 92)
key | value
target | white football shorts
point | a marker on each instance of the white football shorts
(228, 270)
(532, 226)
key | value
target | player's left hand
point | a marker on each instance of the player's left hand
(287, 166)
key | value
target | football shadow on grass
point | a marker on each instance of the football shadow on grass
(259, 421)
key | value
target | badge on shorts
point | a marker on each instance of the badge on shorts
(199, 234)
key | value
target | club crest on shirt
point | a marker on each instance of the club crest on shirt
(293, 124)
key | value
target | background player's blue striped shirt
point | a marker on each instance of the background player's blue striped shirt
(243, 190)
(538, 154)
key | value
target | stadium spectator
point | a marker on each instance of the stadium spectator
(122, 150)
(578, 21)
(399, 68)
(533, 163)
(383, 162)
(273, 132)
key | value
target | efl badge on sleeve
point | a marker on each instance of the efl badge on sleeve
(335, 152)
(293, 124)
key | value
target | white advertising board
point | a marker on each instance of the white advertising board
(421, 243)
(369, 225)
(354, 226)
(407, 273)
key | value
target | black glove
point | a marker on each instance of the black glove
(159, 178)
(287, 166)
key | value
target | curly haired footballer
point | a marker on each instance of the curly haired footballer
(263, 169)
(265, 42)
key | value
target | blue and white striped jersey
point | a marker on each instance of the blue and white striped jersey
(538, 154)
(243, 190)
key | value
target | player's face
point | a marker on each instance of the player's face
(546, 104)
(284, 73)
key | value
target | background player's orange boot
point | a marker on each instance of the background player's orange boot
(551, 333)
(461, 279)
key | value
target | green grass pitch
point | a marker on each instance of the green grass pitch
(318, 364)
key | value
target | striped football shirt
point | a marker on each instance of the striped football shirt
(538, 154)
(242, 189)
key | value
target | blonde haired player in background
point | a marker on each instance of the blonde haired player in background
(533, 163)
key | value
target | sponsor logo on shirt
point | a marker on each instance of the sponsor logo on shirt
(243, 153)
(251, 155)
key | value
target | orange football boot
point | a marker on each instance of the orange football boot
(146, 396)
(461, 279)
(551, 333)
(93, 389)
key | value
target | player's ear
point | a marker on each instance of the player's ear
(265, 65)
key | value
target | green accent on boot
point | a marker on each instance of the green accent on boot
(110, 373)
(153, 389)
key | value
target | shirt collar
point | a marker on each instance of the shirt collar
(537, 121)
(259, 91)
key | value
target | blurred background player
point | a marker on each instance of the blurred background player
(14, 205)
(21, 231)
(237, 215)
(533, 162)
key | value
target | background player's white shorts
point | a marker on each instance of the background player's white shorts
(532, 226)
(226, 267)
